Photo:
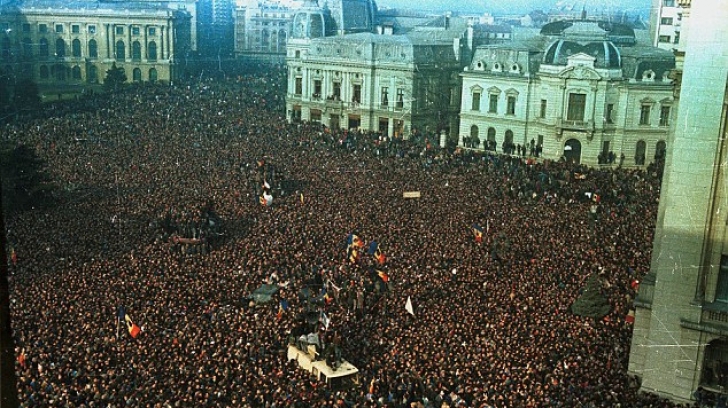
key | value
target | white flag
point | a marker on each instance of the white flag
(268, 199)
(266, 185)
(408, 306)
(325, 320)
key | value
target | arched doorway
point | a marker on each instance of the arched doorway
(491, 139)
(572, 151)
(639, 153)
(660, 150)
(474, 137)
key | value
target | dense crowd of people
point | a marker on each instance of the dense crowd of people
(491, 324)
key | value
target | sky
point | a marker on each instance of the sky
(518, 7)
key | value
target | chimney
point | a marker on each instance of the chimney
(447, 19)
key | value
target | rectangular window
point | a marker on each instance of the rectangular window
(356, 93)
(385, 96)
(676, 39)
(663, 39)
(316, 89)
(664, 116)
(645, 114)
(666, 21)
(135, 30)
(75, 28)
(609, 114)
(476, 101)
(59, 28)
(26, 27)
(119, 30)
(493, 103)
(42, 28)
(92, 29)
(337, 91)
(668, 3)
(577, 104)
(400, 98)
(511, 105)
(298, 86)
(721, 289)
(315, 116)
(152, 31)
(542, 112)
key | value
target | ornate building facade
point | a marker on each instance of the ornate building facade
(262, 30)
(75, 43)
(582, 90)
(386, 78)
(680, 338)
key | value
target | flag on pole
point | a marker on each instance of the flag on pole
(325, 320)
(353, 255)
(121, 313)
(408, 306)
(477, 233)
(383, 276)
(376, 251)
(134, 330)
(266, 185)
(354, 240)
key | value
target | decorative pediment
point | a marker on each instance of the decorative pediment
(580, 72)
(476, 89)
(511, 92)
(494, 90)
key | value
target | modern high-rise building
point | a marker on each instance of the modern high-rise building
(680, 338)
(215, 27)
(666, 22)
(74, 43)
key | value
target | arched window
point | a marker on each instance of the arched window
(59, 72)
(27, 47)
(265, 39)
(120, 51)
(639, 153)
(93, 49)
(76, 72)
(43, 48)
(76, 48)
(491, 139)
(43, 72)
(92, 74)
(60, 48)
(136, 51)
(152, 51)
(281, 40)
(152, 75)
(136, 75)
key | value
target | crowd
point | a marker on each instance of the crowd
(489, 328)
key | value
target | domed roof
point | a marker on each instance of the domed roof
(606, 54)
(309, 21)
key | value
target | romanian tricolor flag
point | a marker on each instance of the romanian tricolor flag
(478, 233)
(354, 240)
(134, 330)
(383, 276)
(282, 308)
(261, 200)
(353, 254)
(376, 251)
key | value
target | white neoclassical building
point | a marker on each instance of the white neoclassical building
(582, 90)
(59, 43)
